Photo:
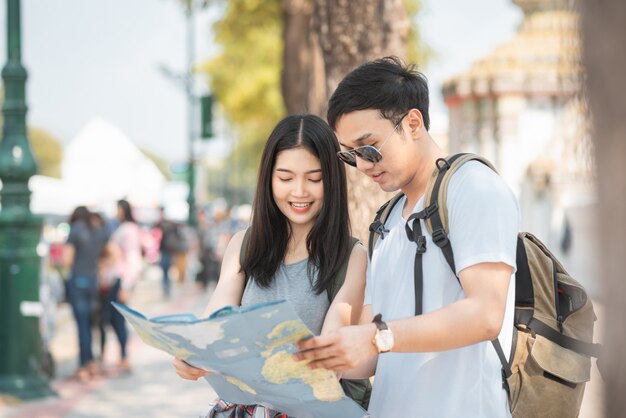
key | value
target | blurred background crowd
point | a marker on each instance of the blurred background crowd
(91, 259)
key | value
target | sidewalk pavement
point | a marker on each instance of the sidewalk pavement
(152, 389)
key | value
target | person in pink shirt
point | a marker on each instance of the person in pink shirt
(127, 240)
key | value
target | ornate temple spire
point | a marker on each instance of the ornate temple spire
(543, 58)
(533, 6)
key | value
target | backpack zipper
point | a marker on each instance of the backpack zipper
(559, 316)
(562, 288)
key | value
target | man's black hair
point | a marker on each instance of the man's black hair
(387, 85)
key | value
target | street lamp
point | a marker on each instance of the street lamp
(186, 81)
(191, 112)
(20, 341)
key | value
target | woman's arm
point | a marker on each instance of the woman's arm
(348, 303)
(347, 307)
(229, 291)
(231, 283)
(69, 252)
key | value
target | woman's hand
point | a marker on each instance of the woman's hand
(186, 371)
(123, 296)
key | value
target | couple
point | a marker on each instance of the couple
(437, 364)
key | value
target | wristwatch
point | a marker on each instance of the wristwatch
(383, 339)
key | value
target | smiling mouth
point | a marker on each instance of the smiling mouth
(300, 205)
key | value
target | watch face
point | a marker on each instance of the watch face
(384, 340)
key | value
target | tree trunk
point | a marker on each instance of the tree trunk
(603, 33)
(302, 79)
(351, 33)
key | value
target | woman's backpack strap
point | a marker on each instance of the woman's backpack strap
(359, 390)
(341, 274)
(242, 253)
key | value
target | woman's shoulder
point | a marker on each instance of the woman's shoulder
(238, 237)
(358, 250)
(235, 245)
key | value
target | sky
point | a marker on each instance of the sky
(101, 59)
(460, 32)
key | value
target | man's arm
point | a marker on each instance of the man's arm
(477, 317)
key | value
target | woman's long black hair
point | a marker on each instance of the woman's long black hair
(81, 214)
(127, 211)
(328, 242)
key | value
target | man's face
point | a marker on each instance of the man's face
(368, 127)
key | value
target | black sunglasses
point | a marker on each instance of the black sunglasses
(367, 152)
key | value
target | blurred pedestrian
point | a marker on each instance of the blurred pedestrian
(181, 252)
(211, 229)
(172, 241)
(110, 285)
(84, 243)
(129, 264)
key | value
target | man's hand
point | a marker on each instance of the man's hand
(344, 349)
(186, 371)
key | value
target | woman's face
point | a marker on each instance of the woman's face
(297, 186)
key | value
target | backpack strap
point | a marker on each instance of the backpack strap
(340, 278)
(435, 216)
(377, 227)
(242, 254)
(435, 200)
(583, 347)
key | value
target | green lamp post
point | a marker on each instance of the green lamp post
(20, 340)
(192, 220)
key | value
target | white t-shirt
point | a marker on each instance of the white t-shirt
(466, 382)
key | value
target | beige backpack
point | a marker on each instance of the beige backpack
(550, 359)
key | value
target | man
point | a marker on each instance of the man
(440, 363)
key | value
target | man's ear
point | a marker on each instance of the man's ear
(416, 120)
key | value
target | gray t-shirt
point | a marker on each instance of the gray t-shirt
(292, 284)
(87, 246)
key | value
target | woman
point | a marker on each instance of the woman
(83, 246)
(126, 248)
(298, 240)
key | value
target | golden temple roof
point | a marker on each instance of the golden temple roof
(543, 58)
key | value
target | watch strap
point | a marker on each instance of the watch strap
(378, 321)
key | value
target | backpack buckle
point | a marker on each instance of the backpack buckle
(426, 212)
(440, 238)
(415, 235)
(421, 244)
(379, 228)
(432, 209)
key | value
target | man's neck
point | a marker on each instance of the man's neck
(415, 190)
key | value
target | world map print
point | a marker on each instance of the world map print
(249, 352)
